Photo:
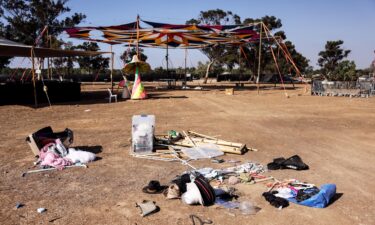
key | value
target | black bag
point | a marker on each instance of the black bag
(295, 162)
(46, 135)
(206, 190)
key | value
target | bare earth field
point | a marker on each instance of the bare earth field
(335, 136)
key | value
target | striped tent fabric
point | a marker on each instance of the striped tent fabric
(162, 35)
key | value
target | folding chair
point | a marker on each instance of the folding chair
(111, 95)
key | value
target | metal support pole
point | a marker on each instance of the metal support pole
(33, 72)
(112, 63)
(138, 36)
(185, 80)
(260, 55)
(167, 59)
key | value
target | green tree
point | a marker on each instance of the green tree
(127, 55)
(25, 19)
(285, 66)
(331, 57)
(344, 71)
(215, 53)
(4, 61)
(92, 62)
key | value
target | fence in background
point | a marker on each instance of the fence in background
(343, 88)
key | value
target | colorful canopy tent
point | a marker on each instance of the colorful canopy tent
(167, 35)
(163, 35)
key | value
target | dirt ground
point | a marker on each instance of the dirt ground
(333, 135)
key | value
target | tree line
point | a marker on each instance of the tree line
(24, 20)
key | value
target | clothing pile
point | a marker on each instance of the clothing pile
(53, 149)
(55, 155)
(300, 193)
(193, 188)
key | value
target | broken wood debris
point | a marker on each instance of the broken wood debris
(193, 139)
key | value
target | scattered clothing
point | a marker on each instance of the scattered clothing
(275, 201)
(295, 162)
(79, 156)
(192, 196)
(305, 194)
(285, 193)
(147, 207)
(319, 200)
(50, 158)
(172, 192)
(154, 187)
(54, 154)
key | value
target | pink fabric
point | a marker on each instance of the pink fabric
(48, 158)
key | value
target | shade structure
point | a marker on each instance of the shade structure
(14, 49)
(164, 35)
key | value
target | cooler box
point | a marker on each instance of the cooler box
(143, 128)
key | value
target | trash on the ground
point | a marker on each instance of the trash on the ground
(229, 91)
(19, 205)
(147, 207)
(315, 197)
(193, 139)
(303, 193)
(87, 110)
(275, 201)
(79, 156)
(143, 127)
(232, 180)
(248, 208)
(205, 151)
(41, 210)
(154, 187)
(53, 150)
(45, 136)
(173, 191)
(233, 161)
(52, 168)
(198, 221)
(192, 195)
(217, 160)
(295, 162)
(227, 203)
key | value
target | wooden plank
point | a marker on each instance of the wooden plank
(187, 136)
(201, 135)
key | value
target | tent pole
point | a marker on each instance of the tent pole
(185, 66)
(112, 58)
(239, 64)
(138, 36)
(33, 72)
(260, 55)
(166, 58)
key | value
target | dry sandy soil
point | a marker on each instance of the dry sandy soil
(333, 135)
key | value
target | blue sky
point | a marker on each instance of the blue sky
(307, 23)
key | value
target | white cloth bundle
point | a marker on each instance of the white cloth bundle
(79, 156)
(192, 195)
